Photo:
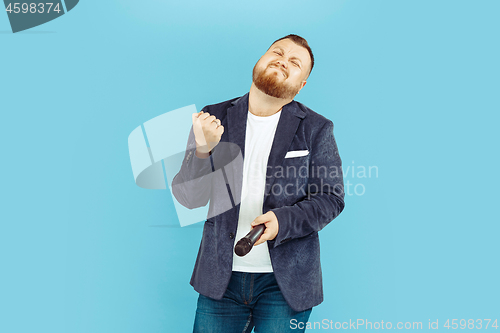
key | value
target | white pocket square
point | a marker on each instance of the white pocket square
(296, 153)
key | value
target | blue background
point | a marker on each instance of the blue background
(411, 86)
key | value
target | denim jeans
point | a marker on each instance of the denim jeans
(251, 300)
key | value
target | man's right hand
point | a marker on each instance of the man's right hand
(207, 132)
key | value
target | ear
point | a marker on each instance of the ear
(302, 85)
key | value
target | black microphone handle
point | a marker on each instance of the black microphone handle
(255, 233)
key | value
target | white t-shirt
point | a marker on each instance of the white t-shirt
(259, 138)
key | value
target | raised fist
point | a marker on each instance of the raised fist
(207, 132)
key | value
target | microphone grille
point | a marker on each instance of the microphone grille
(242, 247)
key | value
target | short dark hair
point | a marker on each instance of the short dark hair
(301, 42)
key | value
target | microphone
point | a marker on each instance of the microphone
(245, 244)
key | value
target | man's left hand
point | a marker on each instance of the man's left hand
(272, 226)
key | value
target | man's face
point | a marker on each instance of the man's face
(282, 71)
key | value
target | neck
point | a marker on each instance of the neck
(264, 105)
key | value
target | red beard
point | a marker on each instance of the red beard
(269, 84)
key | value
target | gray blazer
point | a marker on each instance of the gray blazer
(304, 189)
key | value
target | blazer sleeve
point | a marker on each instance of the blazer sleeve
(191, 186)
(325, 197)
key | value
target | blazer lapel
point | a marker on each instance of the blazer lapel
(236, 118)
(237, 122)
(291, 115)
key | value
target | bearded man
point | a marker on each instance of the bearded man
(275, 286)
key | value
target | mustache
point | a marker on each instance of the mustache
(280, 67)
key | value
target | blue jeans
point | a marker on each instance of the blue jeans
(251, 300)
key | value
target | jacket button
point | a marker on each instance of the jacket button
(231, 235)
